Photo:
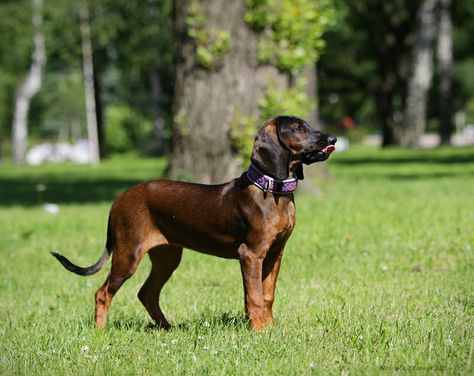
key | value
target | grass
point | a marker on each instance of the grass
(378, 276)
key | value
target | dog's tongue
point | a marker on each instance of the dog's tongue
(329, 149)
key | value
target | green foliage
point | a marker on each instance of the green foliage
(291, 31)
(470, 111)
(243, 129)
(464, 77)
(377, 276)
(15, 53)
(58, 109)
(126, 130)
(211, 45)
(293, 101)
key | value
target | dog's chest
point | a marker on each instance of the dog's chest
(283, 221)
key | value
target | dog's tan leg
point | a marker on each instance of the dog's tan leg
(271, 267)
(165, 259)
(123, 267)
(251, 266)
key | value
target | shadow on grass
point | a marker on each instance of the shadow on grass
(410, 176)
(420, 158)
(27, 192)
(223, 320)
(423, 176)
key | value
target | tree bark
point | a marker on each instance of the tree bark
(88, 68)
(445, 68)
(385, 110)
(414, 119)
(207, 101)
(28, 87)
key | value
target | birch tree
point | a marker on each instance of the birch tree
(88, 68)
(28, 87)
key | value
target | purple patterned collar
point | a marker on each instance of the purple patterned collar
(268, 184)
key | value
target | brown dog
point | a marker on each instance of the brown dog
(249, 219)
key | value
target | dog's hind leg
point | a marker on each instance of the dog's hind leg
(124, 264)
(165, 259)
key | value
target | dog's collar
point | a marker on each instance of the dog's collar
(268, 184)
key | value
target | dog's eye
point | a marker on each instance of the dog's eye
(299, 128)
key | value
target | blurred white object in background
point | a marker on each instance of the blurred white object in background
(51, 208)
(58, 153)
(342, 144)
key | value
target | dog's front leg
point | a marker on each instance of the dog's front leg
(251, 266)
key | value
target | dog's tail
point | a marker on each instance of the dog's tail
(83, 271)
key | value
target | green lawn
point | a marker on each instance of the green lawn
(378, 276)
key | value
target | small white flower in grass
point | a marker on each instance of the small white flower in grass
(174, 341)
(85, 348)
(193, 357)
(384, 267)
(207, 324)
(311, 365)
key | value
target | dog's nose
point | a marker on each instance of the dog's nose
(332, 140)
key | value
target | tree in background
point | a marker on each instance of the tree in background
(132, 61)
(365, 69)
(379, 55)
(88, 70)
(445, 68)
(135, 55)
(238, 63)
(463, 58)
(252, 65)
(421, 72)
(28, 87)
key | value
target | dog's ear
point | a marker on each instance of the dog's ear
(269, 154)
(299, 172)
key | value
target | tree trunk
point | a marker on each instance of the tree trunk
(445, 67)
(88, 67)
(390, 130)
(99, 110)
(414, 119)
(207, 101)
(29, 87)
(158, 119)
